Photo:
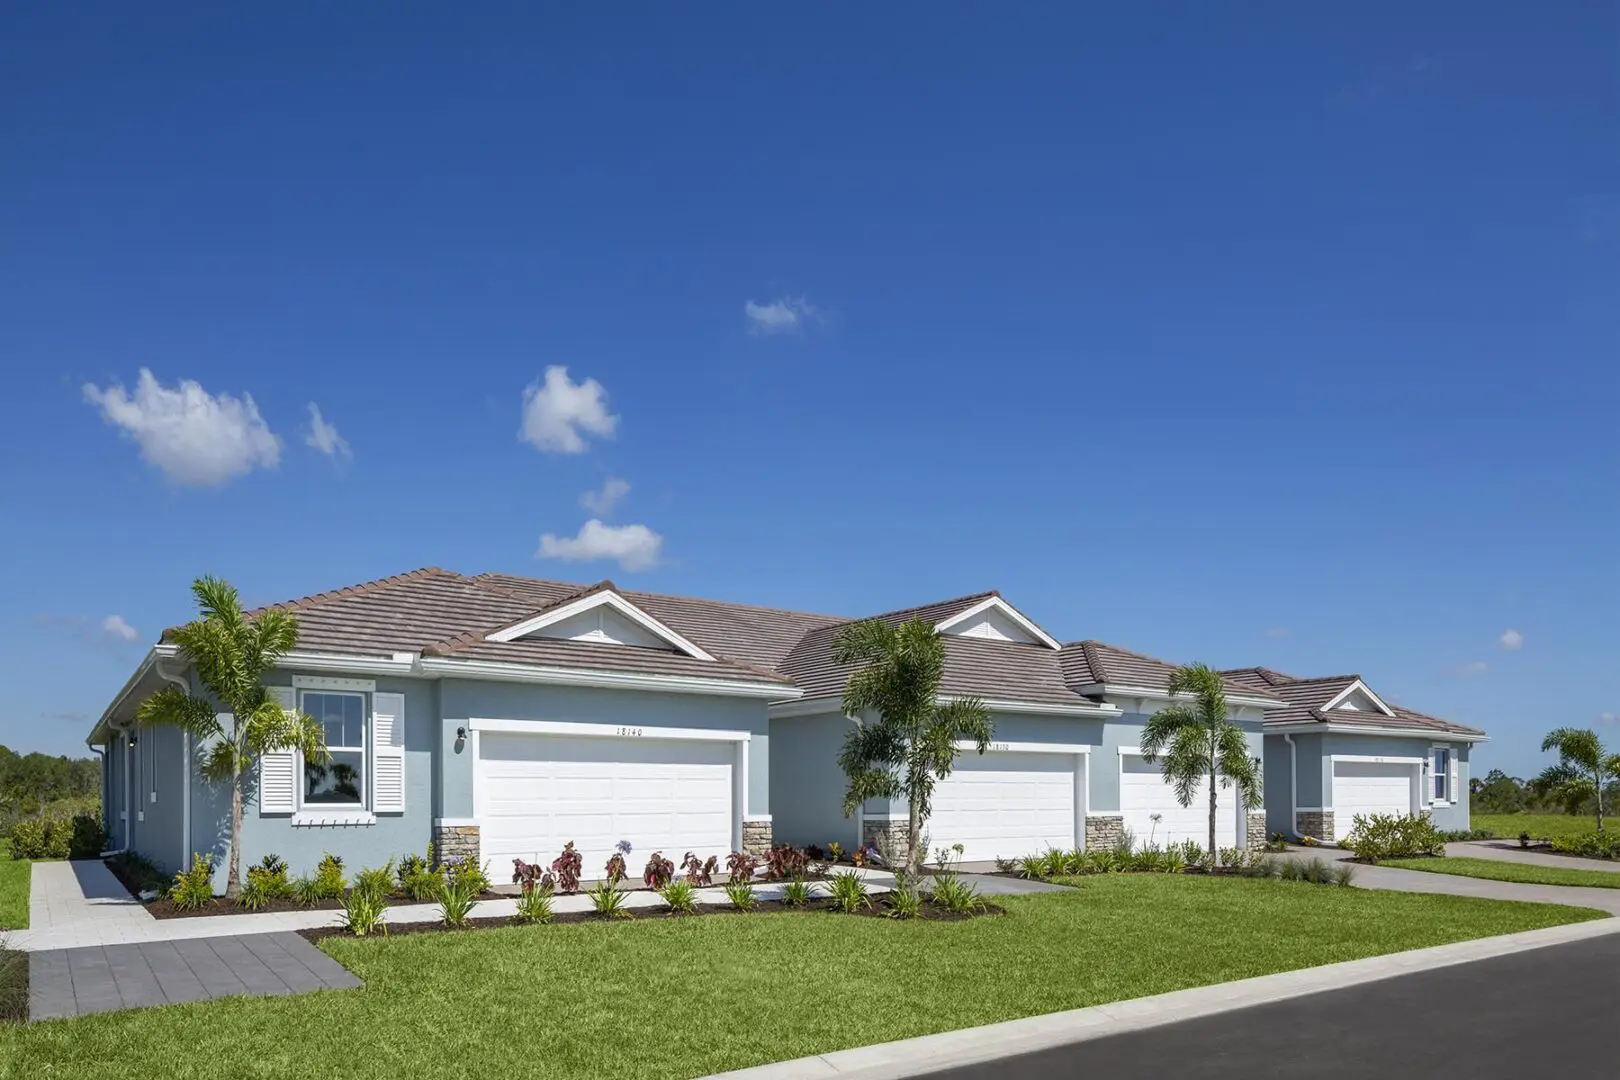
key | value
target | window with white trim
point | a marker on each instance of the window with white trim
(1440, 769)
(341, 780)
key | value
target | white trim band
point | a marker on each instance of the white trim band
(610, 680)
(606, 731)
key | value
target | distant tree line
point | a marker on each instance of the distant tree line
(1500, 793)
(33, 784)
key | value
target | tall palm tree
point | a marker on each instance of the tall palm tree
(1585, 767)
(231, 653)
(1199, 743)
(912, 743)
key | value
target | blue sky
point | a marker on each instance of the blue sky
(1285, 335)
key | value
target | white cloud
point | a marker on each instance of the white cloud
(634, 547)
(1474, 667)
(324, 437)
(115, 626)
(601, 503)
(555, 413)
(1511, 640)
(1608, 717)
(782, 316)
(193, 436)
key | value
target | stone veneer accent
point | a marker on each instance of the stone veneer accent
(1104, 831)
(756, 838)
(893, 830)
(455, 842)
(1257, 829)
(1317, 823)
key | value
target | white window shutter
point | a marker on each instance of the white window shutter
(387, 753)
(1451, 782)
(278, 770)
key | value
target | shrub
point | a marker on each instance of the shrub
(1591, 845)
(1231, 856)
(529, 876)
(786, 863)
(796, 893)
(253, 896)
(1524, 839)
(700, 874)
(903, 903)
(377, 883)
(679, 897)
(456, 902)
(1174, 861)
(363, 908)
(1006, 866)
(1032, 867)
(86, 838)
(329, 881)
(467, 872)
(1053, 863)
(1278, 842)
(567, 867)
(658, 872)
(1455, 836)
(616, 871)
(421, 882)
(608, 901)
(307, 891)
(138, 872)
(194, 888)
(269, 878)
(849, 893)
(741, 895)
(1393, 836)
(956, 896)
(1192, 852)
(534, 904)
(740, 866)
(1342, 874)
(42, 838)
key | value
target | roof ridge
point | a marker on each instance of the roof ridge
(930, 604)
(483, 579)
(1328, 678)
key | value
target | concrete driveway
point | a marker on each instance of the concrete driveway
(1510, 851)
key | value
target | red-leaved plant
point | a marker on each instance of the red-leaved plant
(567, 866)
(531, 876)
(700, 874)
(786, 863)
(741, 866)
(659, 871)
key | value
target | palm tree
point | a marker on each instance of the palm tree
(231, 653)
(912, 743)
(1199, 743)
(1584, 769)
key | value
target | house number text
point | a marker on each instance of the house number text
(631, 731)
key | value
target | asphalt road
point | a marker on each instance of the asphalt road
(1550, 1012)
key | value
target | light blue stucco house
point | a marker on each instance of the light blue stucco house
(499, 717)
(1337, 749)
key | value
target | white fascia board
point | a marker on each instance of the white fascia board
(439, 667)
(812, 707)
(362, 665)
(1000, 747)
(606, 731)
(151, 657)
(1308, 727)
(1365, 689)
(605, 598)
(1006, 609)
(1116, 690)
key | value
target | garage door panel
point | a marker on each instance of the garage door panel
(1005, 805)
(1143, 793)
(1369, 787)
(537, 792)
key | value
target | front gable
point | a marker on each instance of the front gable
(1358, 697)
(601, 616)
(993, 619)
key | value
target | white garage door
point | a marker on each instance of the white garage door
(1005, 805)
(1144, 794)
(537, 792)
(1369, 787)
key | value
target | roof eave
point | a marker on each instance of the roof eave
(1123, 690)
(1307, 727)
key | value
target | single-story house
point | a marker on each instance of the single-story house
(499, 717)
(1337, 749)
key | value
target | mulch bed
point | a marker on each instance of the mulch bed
(163, 907)
(878, 909)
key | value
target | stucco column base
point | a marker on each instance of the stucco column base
(1315, 823)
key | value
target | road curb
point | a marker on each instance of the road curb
(968, 1046)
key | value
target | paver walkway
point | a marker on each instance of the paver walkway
(104, 978)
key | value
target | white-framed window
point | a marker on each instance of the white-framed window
(1440, 771)
(341, 780)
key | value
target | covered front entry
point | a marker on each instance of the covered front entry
(1387, 786)
(1009, 802)
(1154, 816)
(536, 790)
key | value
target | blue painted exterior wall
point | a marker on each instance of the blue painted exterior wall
(1315, 754)
(157, 797)
(808, 784)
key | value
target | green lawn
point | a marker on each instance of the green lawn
(13, 890)
(1539, 826)
(667, 998)
(1497, 870)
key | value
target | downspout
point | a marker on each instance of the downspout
(1293, 783)
(185, 768)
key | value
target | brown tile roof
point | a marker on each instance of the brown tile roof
(1307, 700)
(558, 652)
(1087, 663)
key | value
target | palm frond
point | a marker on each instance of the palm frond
(270, 727)
(1163, 726)
(1578, 745)
(220, 762)
(217, 599)
(1237, 765)
(173, 707)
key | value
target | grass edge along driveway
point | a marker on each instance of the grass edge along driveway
(683, 998)
(14, 884)
(1519, 873)
(1540, 826)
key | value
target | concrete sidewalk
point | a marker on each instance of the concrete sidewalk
(1510, 851)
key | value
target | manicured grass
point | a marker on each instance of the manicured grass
(1497, 870)
(1539, 826)
(13, 890)
(682, 998)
